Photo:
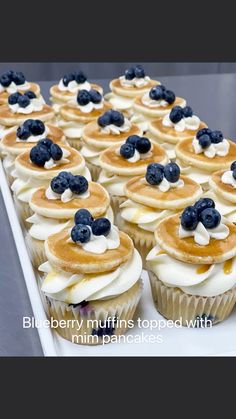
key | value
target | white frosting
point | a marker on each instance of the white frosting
(87, 108)
(13, 88)
(137, 156)
(202, 235)
(198, 175)
(114, 184)
(113, 129)
(151, 103)
(165, 185)
(71, 129)
(141, 121)
(100, 244)
(34, 138)
(53, 163)
(119, 102)
(66, 196)
(225, 208)
(135, 82)
(43, 227)
(35, 105)
(189, 123)
(91, 154)
(73, 86)
(185, 276)
(58, 285)
(6, 130)
(228, 178)
(221, 149)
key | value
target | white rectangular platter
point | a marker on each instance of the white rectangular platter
(217, 340)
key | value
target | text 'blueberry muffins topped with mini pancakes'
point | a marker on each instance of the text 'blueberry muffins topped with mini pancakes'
(86, 107)
(161, 192)
(204, 154)
(92, 273)
(126, 88)
(68, 87)
(192, 268)
(14, 81)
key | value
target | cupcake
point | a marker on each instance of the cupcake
(92, 276)
(179, 124)
(205, 153)
(161, 192)
(86, 107)
(126, 88)
(14, 81)
(68, 87)
(154, 104)
(110, 128)
(34, 168)
(53, 206)
(25, 137)
(123, 161)
(192, 267)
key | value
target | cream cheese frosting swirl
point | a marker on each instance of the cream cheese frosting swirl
(13, 88)
(220, 149)
(73, 86)
(35, 105)
(189, 123)
(135, 82)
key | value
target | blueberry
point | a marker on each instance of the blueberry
(23, 101)
(83, 216)
(68, 78)
(83, 97)
(28, 123)
(172, 172)
(39, 155)
(46, 142)
(80, 77)
(5, 80)
(59, 184)
(78, 184)
(157, 92)
(104, 119)
(30, 94)
(37, 127)
(65, 175)
(139, 71)
(155, 173)
(143, 145)
(23, 132)
(10, 73)
(101, 227)
(13, 99)
(203, 131)
(216, 137)
(117, 118)
(176, 114)
(234, 174)
(129, 74)
(127, 150)
(18, 77)
(187, 111)
(56, 152)
(132, 139)
(204, 203)
(189, 218)
(210, 217)
(233, 165)
(169, 96)
(80, 233)
(95, 96)
(204, 141)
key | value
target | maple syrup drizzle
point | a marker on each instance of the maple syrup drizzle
(202, 269)
(228, 266)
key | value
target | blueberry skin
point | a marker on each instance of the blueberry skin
(204, 203)
(101, 227)
(127, 150)
(216, 137)
(46, 142)
(172, 172)
(176, 114)
(234, 174)
(154, 174)
(65, 175)
(157, 92)
(143, 145)
(56, 152)
(169, 96)
(233, 165)
(104, 120)
(68, 78)
(203, 131)
(39, 155)
(117, 118)
(83, 216)
(18, 77)
(83, 97)
(10, 73)
(23, 101)
(80, 233)
(132, 139)
(129, 73)
(80, 77)
(210, 218)
(204, 141)
(13, 99)
(59, 184)
(189, 218)
(23, 132)
(28, 123)
(30, 94)
(5, 80)
(37, 127)
(78, 184)
(187, 111)
(95, 96)
(139, 71)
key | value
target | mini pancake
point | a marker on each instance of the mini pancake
(158, 111)
(223, 190)
(72, 113)
(130, 91)
(9, 118)
(158, 130)
(64, 95)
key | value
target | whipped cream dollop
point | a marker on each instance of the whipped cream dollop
(91, 154)
(137, 156)
(53, 163)
(71, 129)
(75, 288)
(100, 244)
(189, 278)
(113, 129)
(151, 103)
(220, 149)
(135, 82)
(165, 185)
(73, 86)
(114, 184)
(13, 88)
(87, 108)
(34, 138)
(35, 105)
(202, 235)
(189, 123)
(228, 179)
(43, 227)
(66, 196)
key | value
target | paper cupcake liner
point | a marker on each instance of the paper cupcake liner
(23, 210)
(36, 250)
(116, 201)
(94, 170)
(113, 314)
(174, 304)
(74, 142)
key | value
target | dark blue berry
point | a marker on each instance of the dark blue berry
(56, 152)
(204, 203)
(28, 123)
(83, 216)
(59, 184)
(129, 73)
(210, 217)
(104, 120)
(95, 96)
(23, 101)
(233, 165)
(155, 173)
(234, 174)
(46, 142)
(68, 78)
(66, 175)
(172, 172)
(18, 77)
(80, 233)
(216, 137)
(30, 94)
(10, 73)
(139, 71)
(83, 97)
(5, 80)
(204, 141)
(168, 96)
(101, 227)
(80, 77)
(187, 111)
(39, 155)
(117, 118)
(157, 92)
(37, 127)
(203, 131)
(176, 114)
(78, 184)
(132, 139)
(127, 150)
(13, 99)
(189, 218)
(23, 132)
(143, 145)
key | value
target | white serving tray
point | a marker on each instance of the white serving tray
(218, 340)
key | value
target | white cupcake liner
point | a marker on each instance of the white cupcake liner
(74, 142)
(36, 250)
(94, 170)
(116, 201)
